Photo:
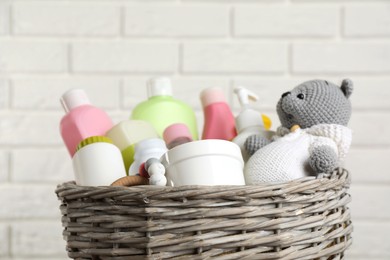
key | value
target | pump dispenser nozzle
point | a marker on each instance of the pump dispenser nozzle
(244, 96)
(247, 117)
(249, 121)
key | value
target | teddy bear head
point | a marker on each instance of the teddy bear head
(316, 102)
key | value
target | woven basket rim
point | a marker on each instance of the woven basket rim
(339, 173)
(335, 181)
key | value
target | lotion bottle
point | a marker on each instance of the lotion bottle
(176, 134)
(249, 121)
(162, 110)
(218, 118)
(82, 120)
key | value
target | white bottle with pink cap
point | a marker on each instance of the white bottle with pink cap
(219, 120)
(82, 120)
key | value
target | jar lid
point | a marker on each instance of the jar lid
(93, 139)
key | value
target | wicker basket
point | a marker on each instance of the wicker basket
(302, 219)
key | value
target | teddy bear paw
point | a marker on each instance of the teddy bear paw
(323, 159)
(254, 143)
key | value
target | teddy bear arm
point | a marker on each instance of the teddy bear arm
(254, 143)
(323, 159)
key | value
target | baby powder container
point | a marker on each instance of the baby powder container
(204, 162)
(146, 149)
(97, 162)
(127, 133)
(162, 110)
(82, 120)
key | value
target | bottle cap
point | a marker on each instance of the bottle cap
(175, 131)
(74, 98)
(161, 86)
(150, 144)
(212, 95)
(93, 139)
(248, 117)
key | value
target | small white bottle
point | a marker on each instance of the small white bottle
(97, 162)
(146, 149)
(249, 121)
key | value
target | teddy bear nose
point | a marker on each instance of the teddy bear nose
(285, 94)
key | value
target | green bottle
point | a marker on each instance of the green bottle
(162, 110)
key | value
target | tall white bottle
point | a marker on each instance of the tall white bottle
(249, 121)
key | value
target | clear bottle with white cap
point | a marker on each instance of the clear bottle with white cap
(127, 133)
(82, 120)
(162, 110)
(249, 121)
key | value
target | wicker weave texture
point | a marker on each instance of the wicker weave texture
(302, 219)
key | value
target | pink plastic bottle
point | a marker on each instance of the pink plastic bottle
(82, 120)
(219, 120)
(176, 134)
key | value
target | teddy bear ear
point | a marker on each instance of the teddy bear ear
(347, 87)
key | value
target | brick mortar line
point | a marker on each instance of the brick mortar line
(247, 39)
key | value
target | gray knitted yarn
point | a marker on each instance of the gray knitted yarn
(254, 143)
(316, 102)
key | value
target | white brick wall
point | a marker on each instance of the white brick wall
(341, 57)
(124, 56)
(41, 93)
(4, 18)
(31, 56)
(234, 57)
(110, 48)
(286, 21)
(174, 20)
(38, 238)
(66, 19)
(371, 21)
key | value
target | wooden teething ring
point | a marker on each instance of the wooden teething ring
(131, 181)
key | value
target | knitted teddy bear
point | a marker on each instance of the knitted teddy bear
(312, 139)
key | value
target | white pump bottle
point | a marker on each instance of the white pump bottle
(249, 121)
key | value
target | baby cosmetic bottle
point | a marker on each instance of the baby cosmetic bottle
(82, 120)
(218, 118)
(97, 162)
(249, 121)
(176, 134)
(127, 133)
(146, 149)
(162, 110)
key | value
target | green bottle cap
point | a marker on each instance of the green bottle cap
(93, 139)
